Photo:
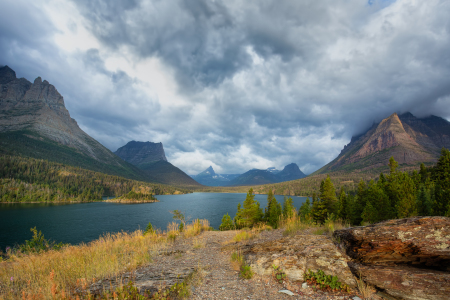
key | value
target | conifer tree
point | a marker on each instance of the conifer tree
(250, 213)
(227, 223)
(369, 214)
(328, 195)
(441, 176)
(305, 209)
(288, 208)
(342, 206)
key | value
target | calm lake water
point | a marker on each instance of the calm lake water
(84, 222)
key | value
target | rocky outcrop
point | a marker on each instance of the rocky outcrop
(138, 153)
(406, 258)
(40, 108)
(296, 254)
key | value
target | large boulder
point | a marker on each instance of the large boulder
(420, 241)
(405, 282)
(405, 258)
(296, 254)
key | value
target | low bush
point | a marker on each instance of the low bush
(320, 280)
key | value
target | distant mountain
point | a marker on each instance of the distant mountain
(290, 172)
(34, 122)
(138, 153)
(408, 139)
(257, 177)
(150, 158)
(210, 178)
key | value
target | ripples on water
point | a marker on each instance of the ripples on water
(84, 222)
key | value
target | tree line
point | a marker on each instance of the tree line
(425, 192)
(36, 180)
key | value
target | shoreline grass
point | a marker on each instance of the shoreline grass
(41, 275)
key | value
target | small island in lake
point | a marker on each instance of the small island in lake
(133, 197)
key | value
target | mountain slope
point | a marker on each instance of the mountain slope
(408, 139)
(150, 158)
(34, 122)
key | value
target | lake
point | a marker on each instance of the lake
(84, 222)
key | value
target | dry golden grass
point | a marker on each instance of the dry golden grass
(245, 235)
(196, 227)
(366, 290)
(56, 274)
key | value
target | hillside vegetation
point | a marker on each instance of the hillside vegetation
(37, 180)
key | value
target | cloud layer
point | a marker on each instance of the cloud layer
(233, 84)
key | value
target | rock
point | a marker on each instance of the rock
(356, 298)
(419, 241)
(304, 285)
(405, 258)
(296, 254)
(287, 292)
(406, 282)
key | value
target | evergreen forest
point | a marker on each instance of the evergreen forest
(36, 180)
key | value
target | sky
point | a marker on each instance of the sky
(235, 85)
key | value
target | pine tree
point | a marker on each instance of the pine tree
(342, 206)
(250, 213)
(288, 208)
(441, 177)
(305, 209)
(369, 214)
(359, 203)
(227, 223)
(328, 195)
(406, 205)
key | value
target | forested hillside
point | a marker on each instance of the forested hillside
(424, 192)
(36, 180)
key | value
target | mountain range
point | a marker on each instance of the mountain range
(252, 177)
(34, 122)
(410, 140)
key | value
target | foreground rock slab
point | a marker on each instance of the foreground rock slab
(419, 241)
(406, 282)
(404, 259)
(296, 254)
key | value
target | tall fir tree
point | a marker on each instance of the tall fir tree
(288, 208)
(305, 210)
(250, 213)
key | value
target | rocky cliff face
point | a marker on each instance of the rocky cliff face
(408, 139)
(39, 108)
(138, 153)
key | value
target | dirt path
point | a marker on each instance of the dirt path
(216, 278)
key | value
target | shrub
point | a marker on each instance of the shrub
(278, 274)
(320, 280)
(38, 243)
(149, 229)
(246, 272)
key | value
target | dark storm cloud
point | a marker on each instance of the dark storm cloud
(258, 84)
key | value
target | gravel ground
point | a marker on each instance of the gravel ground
(216, 276)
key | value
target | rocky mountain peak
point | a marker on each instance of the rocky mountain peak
(7, 74)
(138, 153)
(40, 108)
(208, 171)
(405, 137)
